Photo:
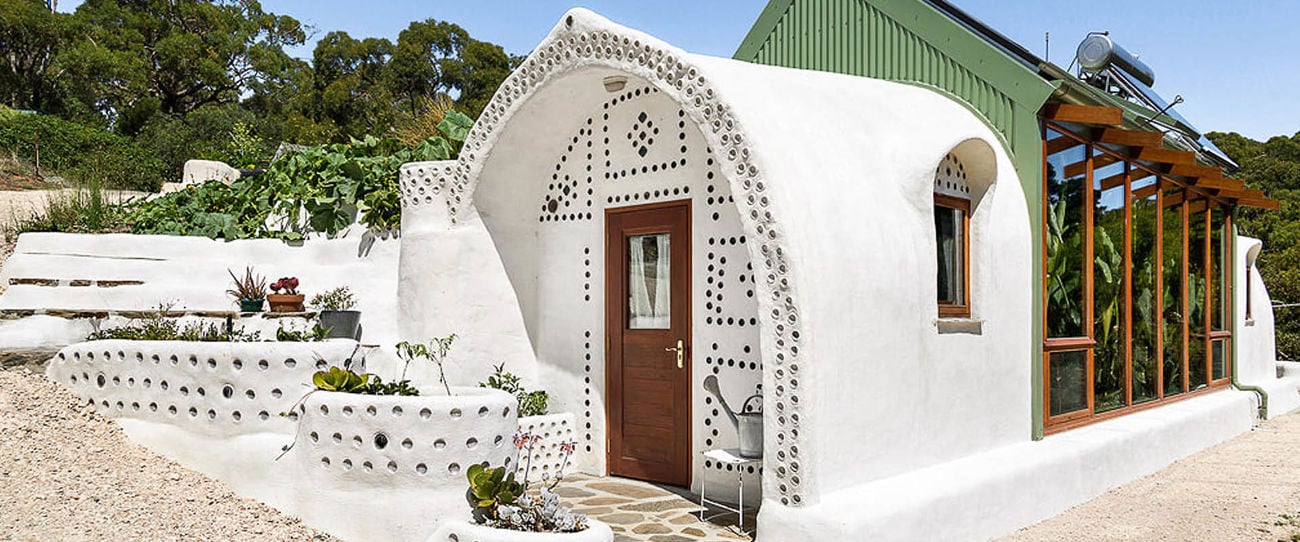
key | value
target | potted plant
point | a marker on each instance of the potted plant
(507, 509)
(250, 290)
(336, 312)
(290, 300)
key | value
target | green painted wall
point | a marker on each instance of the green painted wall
(909, 41)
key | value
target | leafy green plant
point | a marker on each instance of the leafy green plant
(337, 299)
(435, 351)
(377, 386)
(531, 403)
(489, 488)
(161, 325)
(245, 149)
(315, 334)
(249, 287)
(339, 379)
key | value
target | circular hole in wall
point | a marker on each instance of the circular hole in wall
(356, 441)
(194, 361)
(250, 394)
(406, 443)
(212, 363)
(263, 415)
(174, 360)
(228, 391)
(263, 365)
(324, 410)
(424, 413)
(212, 414)
(135, 406)
(471, 443)
(498, 441)
(397, 411)
(237, 364)
(236, 415)
(194, 412)
(347, 464)
(453, 468)
(147, 383)
(371, 410)
(73, 379)
(455, 413)
(276, 393)
(347, 410)
(153, 407)
(381, 441)
(337, 437)
(290, 363)
(505, 412)
(185, 390)
(101, 380)
(421, 468)
(171, 410)
(325, 462)
(392, 466)
(368, 466)
(483, 412)
(117, 381)
(315, 437)
(439, 444)
(163, 385)
(201, 392)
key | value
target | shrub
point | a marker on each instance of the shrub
(338, 299)
(81, 152)
(531, 403)
(157, 326)
(83, 210)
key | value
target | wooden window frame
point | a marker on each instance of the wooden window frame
(1135, 169)
(948, 309)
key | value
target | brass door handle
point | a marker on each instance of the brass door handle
(681, 353)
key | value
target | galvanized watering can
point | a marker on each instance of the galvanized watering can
(748, 422)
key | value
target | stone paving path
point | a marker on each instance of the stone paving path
(638, 511)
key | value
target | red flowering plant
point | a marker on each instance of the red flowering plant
(288, 284)
(499, 501)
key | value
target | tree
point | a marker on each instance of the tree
(174, 56)
(31, 35)
(349, 89)
(1274, 167)
(433, 57)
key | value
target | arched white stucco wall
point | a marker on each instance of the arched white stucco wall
(832, 176)
(1255, 338)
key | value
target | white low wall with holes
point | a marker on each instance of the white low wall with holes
(555, 429)
(388, 467)
(213, 388)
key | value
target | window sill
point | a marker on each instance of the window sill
(963, 326)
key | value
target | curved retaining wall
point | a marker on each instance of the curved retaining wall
(213, 388)
(380, 441)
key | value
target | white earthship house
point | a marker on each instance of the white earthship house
(619, 195)
(626, 219)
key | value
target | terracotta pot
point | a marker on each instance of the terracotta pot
(286, 302)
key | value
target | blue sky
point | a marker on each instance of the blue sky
(1235, 62)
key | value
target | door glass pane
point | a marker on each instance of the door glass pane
(1196, 292)
(1217, 271)
(649, 267)
(1069, 377)
(1172, 298)
(1065, 205)
(1220, 359)
(949, 235)
(1145, 314)
(1108, 282)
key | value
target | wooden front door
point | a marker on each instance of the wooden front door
(648, 325)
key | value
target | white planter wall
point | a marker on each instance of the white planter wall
(554, 429)
(350, 441)
(213, 388)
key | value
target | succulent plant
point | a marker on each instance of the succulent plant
(338, 379)
(490, 489)
(288, 284)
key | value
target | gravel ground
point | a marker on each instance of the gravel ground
(1247, 488)
(66, 473)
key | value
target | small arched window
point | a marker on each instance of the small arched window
(952, 209)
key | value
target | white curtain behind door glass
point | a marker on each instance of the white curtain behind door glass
(649, 299)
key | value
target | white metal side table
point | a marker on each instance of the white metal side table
(728, 456)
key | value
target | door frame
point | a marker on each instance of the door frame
(618, 318)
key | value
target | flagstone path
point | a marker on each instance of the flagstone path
(638, 511)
